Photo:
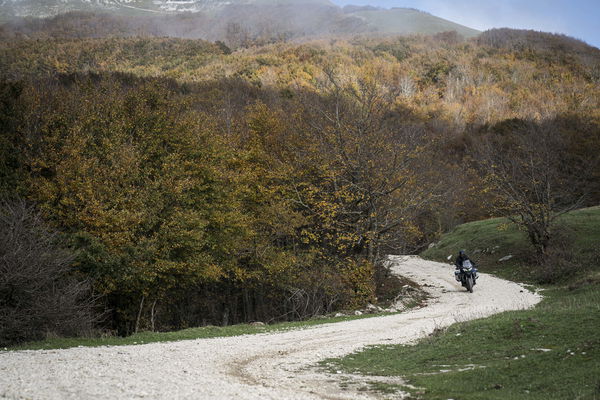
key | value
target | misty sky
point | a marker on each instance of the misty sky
(576, 18)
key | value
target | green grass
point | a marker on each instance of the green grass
(186, 334)
(584, 226)
(389, 286)
(386, 388)
(505, 350)
(409, 21)
(489, 240)
(502, 354)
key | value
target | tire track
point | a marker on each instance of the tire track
(266, 366)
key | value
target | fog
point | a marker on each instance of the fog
(238, 24)
(235, 25)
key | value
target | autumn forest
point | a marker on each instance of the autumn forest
(159, 183)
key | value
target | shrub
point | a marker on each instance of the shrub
(38, 295)
(559, 261)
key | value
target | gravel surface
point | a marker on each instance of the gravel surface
(265, 366)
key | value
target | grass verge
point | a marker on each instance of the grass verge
(549, 352)
(186, 334)
(389, 287)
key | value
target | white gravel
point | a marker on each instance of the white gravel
(266, 366)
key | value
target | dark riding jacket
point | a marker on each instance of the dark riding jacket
(460, 260)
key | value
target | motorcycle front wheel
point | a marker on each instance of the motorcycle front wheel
(470, 284)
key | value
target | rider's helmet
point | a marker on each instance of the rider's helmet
(462, 253)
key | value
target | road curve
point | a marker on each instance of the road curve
(265, 366)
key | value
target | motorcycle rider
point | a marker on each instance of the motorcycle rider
(459, 263)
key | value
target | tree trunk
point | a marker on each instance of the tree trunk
(153, 314)
(139, 316)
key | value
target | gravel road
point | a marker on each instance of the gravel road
(265, 366)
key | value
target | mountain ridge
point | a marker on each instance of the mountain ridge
(39, 8)
(346, 20)
(407, 20)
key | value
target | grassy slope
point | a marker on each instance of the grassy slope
(505, 348)
(409, 21)
(489, 240)
(397, 20)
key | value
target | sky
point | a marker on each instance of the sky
(577, 18)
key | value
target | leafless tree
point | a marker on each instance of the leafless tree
(38, 293)
(374, 153)
(535, 175)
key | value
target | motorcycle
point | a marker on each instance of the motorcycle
(467, 275)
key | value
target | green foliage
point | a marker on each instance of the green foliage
(136, 178)
(438, 72)
(398, 48)
(9, 158)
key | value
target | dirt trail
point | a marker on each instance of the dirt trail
(266, 366)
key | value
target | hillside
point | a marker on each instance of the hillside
(259, 178)
(213, 19)
(257, 162)
(550, 351)
(406, 21)
(46, 8)
(490, 241)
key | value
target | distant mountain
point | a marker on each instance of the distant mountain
(350, 19)
(408, 21)
(46, 8)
